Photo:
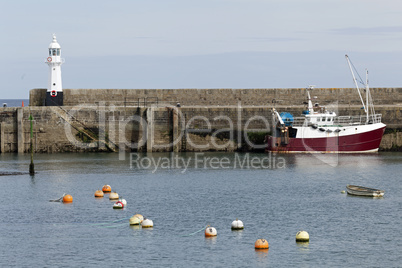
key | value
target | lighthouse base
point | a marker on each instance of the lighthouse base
(54, 100)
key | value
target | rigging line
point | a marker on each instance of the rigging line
(361, 80)
(113, 226)
(109, 222)
(57, 200)
(203, 228)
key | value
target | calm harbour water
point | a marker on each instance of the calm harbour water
(14, 102)
(274, 203)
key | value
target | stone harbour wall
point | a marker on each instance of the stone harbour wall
(150, 119)
(151, 129)
(218, 97)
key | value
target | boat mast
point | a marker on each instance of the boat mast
(367, 97)
(357, 87)
(275, 113)
(310, 103)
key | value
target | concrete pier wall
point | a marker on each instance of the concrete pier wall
(217, 97)
(112, 128)
(149, 119)
(9, 132)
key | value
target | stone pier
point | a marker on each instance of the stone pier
(151, 121)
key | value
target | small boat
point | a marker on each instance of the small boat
(364, 191)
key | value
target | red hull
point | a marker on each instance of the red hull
(368, 141)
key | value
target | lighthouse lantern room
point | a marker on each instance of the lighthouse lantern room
(54, 94)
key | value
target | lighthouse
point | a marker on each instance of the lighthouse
(54, 94)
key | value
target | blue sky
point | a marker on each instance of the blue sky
(200, 44)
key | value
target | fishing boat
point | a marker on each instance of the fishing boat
(364, 191)
(320, 130)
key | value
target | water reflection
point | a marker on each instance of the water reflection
(303, 246)
(210, 240)
(238, 234)
(148, 232)
(262, 255)
(334, 160)
(364, 197)
(184, 162)
(32, 179)
(67, 205)
(99, 199)
(135, 227)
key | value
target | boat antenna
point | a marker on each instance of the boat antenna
(355, 81)
(369, 101)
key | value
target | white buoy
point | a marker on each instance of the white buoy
(210, 231)
(302, 236)
(118, 205)
(237, 225)
(113, 196)
(136, 219)
(123, 201)
(147, 223)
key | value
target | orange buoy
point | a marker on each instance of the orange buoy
(22, 105)
(261, 244)
(210, 231)
(98, 193)
(67, 198)
(106, 188)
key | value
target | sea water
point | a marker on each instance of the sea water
(13, 102)
(274, 202)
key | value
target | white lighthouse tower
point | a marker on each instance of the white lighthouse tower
(54, 94)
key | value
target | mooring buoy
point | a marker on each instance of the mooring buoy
(302, 236)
